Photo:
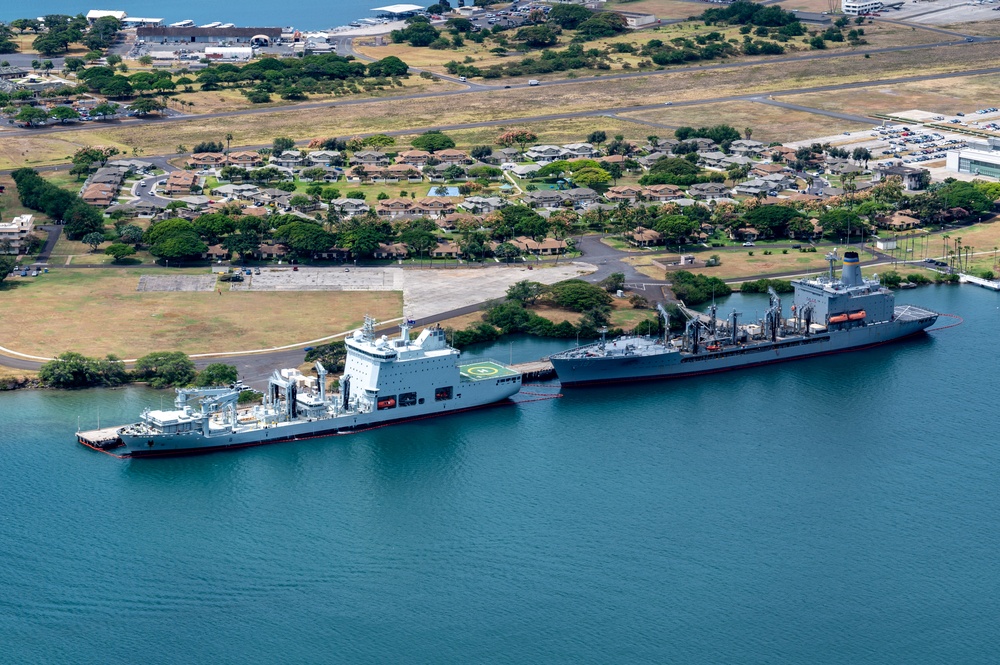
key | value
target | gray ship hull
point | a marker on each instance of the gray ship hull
(669, 363)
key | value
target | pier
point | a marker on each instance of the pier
(539, 369)
(104, 439)
(993, 285)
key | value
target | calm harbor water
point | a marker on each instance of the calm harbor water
(302, 14)
(841, 509)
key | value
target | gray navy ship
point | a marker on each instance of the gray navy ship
(829, 315)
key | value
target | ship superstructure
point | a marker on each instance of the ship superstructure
(385, 380)
(828, 315)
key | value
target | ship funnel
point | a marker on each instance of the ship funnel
(851, 273)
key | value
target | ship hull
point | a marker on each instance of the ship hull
(195, 443)
(580, 372)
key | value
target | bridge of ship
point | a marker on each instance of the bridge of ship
(484, 369)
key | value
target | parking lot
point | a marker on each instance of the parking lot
(425, 292)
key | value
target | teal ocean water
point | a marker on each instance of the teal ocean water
(302, 14)
(841, 509)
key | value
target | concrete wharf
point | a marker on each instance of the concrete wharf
(539, 369)
(105, 438)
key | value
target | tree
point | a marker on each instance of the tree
(73, 370)
(105, 109)
(481, 152)
(569, 17)
(164, 369)
(281, 144)
(131, 234)
(432, 141)
(525, 292)
(840, 222)
(246, 243)
(217, 374)
(590, 177)
(521, 137)
(613, 282)
(771, 220)
(597, 138)
(7, 263)
(82, 219)
(119, 251)
(537, 36)
(388, 67)
(146, 105)
(93, 239)
(31, 116)
(64, 114)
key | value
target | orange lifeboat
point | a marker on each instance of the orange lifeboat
(713, 347)
(840, 318)
(387, 403)
(856, 316)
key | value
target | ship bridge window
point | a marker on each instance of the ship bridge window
(443, 394)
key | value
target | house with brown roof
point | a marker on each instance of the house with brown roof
(180, 182)
(244, 159)
(408, 171)
(396, 250)
(629, 193)
(548, 247)
(369, 158)
(445, 249)
(898, 221)
(270, 251)
(394, 207)
(216, 253)
(333, 254)
(663, 192)
(202, 160)
(413, 157)
(452, 156)
(433, 207)
(643, 237)
(100, 194)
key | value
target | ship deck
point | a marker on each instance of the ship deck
(484, 369)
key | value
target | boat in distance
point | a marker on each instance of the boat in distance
(385, 381)
(829, 315)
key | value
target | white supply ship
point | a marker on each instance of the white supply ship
(385, 380)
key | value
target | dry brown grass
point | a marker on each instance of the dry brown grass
(502, 105)
(986, 28)
(769, 123)
(738, 263)
(944, 96)
(99, 311)
(663, 8)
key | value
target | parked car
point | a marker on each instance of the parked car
(748, 243)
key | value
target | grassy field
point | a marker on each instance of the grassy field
(500, 105)
(769, 123)
(662, 8)
(986, 28)
(739, 263)
(935, 96)
(99, 311)
(10, 205)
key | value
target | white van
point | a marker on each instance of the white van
(533, 82)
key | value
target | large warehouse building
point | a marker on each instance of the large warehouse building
(175, 35)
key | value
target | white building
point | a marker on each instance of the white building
(13, 233)
(858, 7)
(229, 52)
(979, 158)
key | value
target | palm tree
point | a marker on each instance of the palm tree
(944, 246)
(748, 132)
(229, 138)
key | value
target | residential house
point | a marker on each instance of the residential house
(108, 175)
(911, 177)
(206, 160)
(784, 152)
(290, 159)
(408, 172)
(544, 154)
(582, 196)
(767, 168)
(508, 154)
(753, 187)
(324, 158)
(628, 193)
(648, 160)
(581, 151)
(236, 191)
(708, 190)
(643, 237)
(271, 251)
(451, 156)
(446, 249)
(349, 207)
(747, 148)
(366, 173)
(747, 233)
(779, 181)
(247, 159)
(196, 203)
(547, 247)
(393, 208)
(613, 159)
(735, 160)
(146, 208)
(704, 145)
(271, 196)
(713, 159)
(14, 234)
(433, 207)
(180, 182)
(451, 221)
(396, 250)
(369, 158)
(132, 165)
(216, 253)
(483, 204)
(100, 194)
(546, 198)
(413, 157)
(663, 192)
(121, 211)
(524, 170)
(333, 254)
(898, 221)
(844, 168)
